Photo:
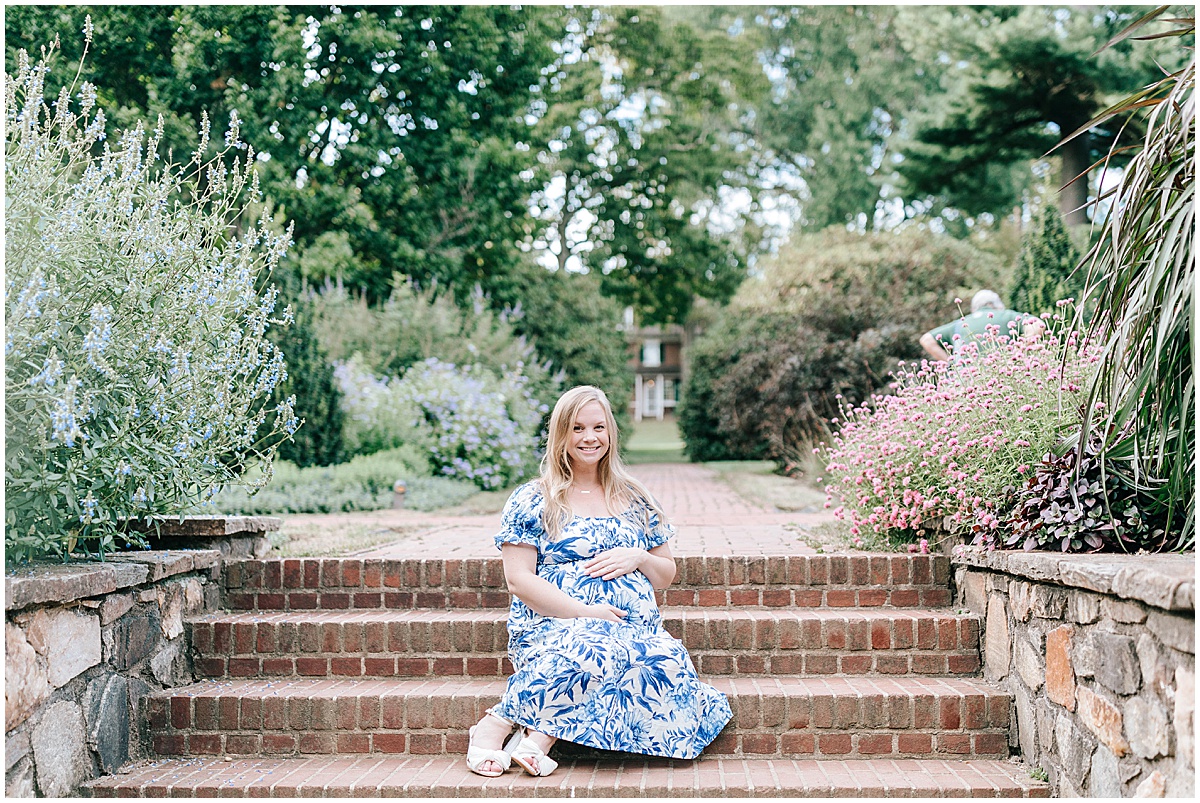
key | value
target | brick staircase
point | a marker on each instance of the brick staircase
(847, 675)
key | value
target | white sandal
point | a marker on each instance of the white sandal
(478, 756)
(541, 765)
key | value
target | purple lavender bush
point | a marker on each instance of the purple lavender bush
(137, 368)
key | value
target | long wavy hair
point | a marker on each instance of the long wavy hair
(623, 494)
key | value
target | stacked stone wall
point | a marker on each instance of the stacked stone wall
(84, 645)
(1099, 655)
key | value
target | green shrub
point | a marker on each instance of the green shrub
(476, 427)
(413, 326)
(709, 428)
(365, 483)
(375, 417)
(574, 328)
(1045, 272)
(318, 441)
(137, 370)
(832, 314)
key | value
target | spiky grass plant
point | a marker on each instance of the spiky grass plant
(1142, 277)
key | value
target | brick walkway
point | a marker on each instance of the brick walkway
(709, 517)
(445, 777)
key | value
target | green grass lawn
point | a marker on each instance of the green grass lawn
(652, 441)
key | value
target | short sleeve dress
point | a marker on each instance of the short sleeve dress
(628, 685)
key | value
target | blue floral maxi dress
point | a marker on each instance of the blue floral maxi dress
(628, 685)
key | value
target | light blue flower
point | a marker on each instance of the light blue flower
(52, 370)
(88, 505)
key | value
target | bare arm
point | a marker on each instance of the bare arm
(1032, 328)
(933, 348)
(660, 567)
(520, 572)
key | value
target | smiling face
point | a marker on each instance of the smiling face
(589, 437)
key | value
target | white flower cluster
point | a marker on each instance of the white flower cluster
(138, 375)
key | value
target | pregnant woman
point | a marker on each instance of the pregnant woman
(584, 548)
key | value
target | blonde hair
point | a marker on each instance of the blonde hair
(622, 493)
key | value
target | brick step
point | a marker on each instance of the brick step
(428, 643)
(845, 581)
(785, 716)
(448, 777)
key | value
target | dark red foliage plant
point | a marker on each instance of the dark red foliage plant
(1086, 511)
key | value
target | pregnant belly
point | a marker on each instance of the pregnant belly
(631, 593)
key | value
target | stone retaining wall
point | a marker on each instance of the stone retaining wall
(83, 646)
(1099, 654)
(85, 643)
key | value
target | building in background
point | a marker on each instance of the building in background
(656, 359)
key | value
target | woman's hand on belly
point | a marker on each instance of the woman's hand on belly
(602, 610)
(616, 562)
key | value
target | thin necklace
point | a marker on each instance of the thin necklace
(583, 491)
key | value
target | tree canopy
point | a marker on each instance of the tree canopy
(646, 123)
(845, 83)
(388, 130)
(410, 139)
(661, 148)
(1013, 82)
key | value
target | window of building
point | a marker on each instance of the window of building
(652, 353)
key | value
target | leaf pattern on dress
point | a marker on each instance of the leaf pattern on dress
(628, 686)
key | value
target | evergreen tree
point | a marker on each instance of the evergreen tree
(318, 441)
(1015, 81)
(1045, 271)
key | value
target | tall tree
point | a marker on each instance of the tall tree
(646, 125)
(1014, 81)
(844, 84)
(395, 127)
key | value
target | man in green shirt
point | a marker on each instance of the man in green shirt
(987, 310)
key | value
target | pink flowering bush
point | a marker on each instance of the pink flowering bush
(955, 440)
